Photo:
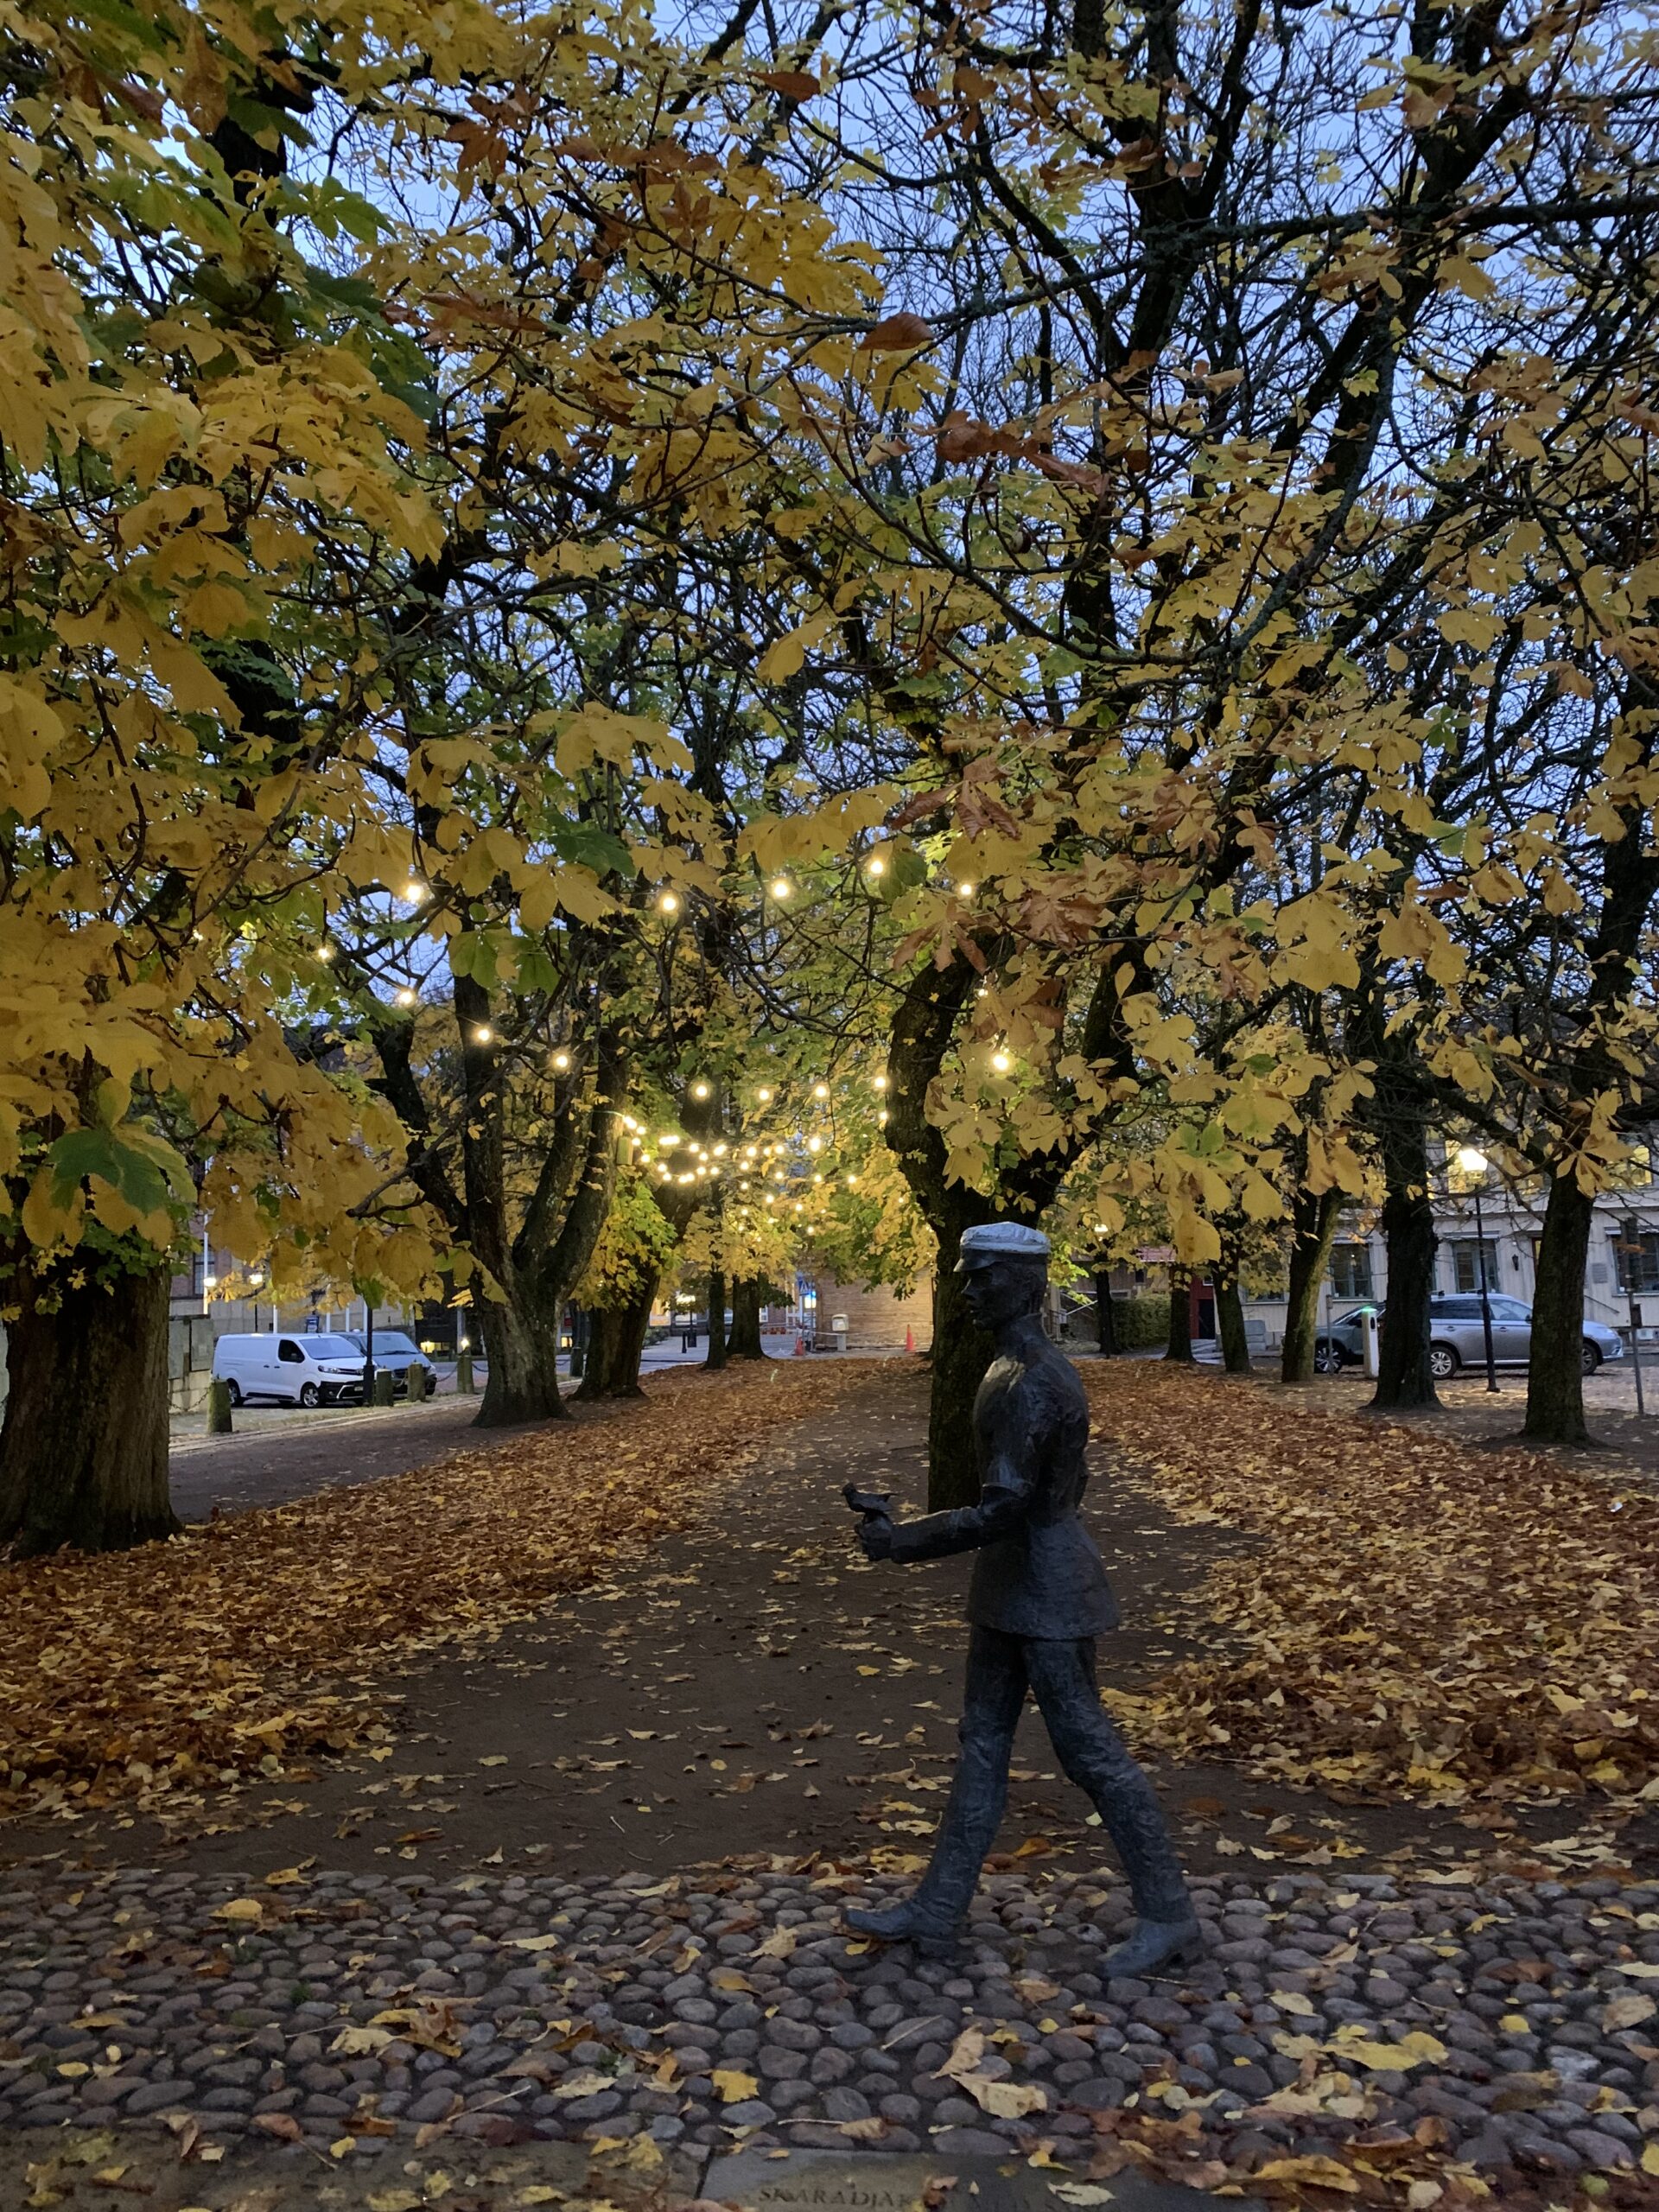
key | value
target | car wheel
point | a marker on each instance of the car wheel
(1589, 1357)
(1327, 1360)
(1443, 1362)
(310, 1395)
(234, 1391)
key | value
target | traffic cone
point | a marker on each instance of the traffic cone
(910, 1337)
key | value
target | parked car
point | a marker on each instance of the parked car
(296, 1371)
(396, 1353)
(1458, 1339)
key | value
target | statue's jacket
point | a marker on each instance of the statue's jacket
(1038, 1572)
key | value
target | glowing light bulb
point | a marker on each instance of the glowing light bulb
(879, 1082)
(764, 1096)
(667, 1141)
(325, 952)
(875, 865)
(405, 997)
(667, 903)
(815, 1144)
(719, 1152)
(851, 1181)
(881, 1119)
(965, 891)
(561, 1063)
(820, 1090)
(700, 1090)
(780, 887)
(1001, 1062)
(483, 1034)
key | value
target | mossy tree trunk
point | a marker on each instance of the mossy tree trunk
(1180, 1346)
(1230, 1324)
(716, 1357)
(84, 1446)
(1313, 1231)
(747, 1298)
(615, 1342)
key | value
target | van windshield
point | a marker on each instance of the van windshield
(331, 1348)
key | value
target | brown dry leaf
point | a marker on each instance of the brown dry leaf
(1628, 2012)
(281, 2124)
(1003, 2099)
(965, 2054)
(735, 2087)
(1315, 2171)
(896, 334)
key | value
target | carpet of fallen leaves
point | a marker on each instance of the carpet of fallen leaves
(1413, 1617)
(224, 1652)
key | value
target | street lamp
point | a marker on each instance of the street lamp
(1473, 1163)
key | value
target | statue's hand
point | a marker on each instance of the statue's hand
(875, 1534)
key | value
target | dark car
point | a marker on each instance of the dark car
(1458, 1339)
(396, 1353)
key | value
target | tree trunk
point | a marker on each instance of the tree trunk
(746, 1300)
(1180, 1346)
(962, 1353)
(1105, 1315)
(716, 1318)
(1403, 1378)
(522, 1346)
(616, 1340)
(1555, 1375)
(1313, 1230)
(1229, 1322)
(83, 1450)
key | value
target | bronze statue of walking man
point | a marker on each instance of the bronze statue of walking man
(1037, 1601)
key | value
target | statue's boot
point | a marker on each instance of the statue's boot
(934, 1935)
(932, 1918)
(1154, 1943)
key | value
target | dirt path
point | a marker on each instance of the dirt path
(754, 1686)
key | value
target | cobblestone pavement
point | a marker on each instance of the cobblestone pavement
(331, 2011)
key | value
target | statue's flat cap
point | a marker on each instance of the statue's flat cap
(1003, 1240)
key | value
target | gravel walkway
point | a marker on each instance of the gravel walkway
(698, 2008)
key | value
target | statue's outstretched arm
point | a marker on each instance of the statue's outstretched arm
(1004, 1502)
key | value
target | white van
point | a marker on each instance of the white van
(297, 1370)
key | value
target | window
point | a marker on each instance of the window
(290, 1352)
(1455, 1309)
(1351, 1270)
(1635, 1254)
(1466, 1263)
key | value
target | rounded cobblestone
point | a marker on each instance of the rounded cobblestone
(1512, 1983)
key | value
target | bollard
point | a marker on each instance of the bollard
(416, 1376)
(464, 1384)
(385, 1386)
(219, 1408)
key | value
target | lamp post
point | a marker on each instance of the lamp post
(1474, 1163)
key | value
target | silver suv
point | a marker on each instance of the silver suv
(1457, 1338)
